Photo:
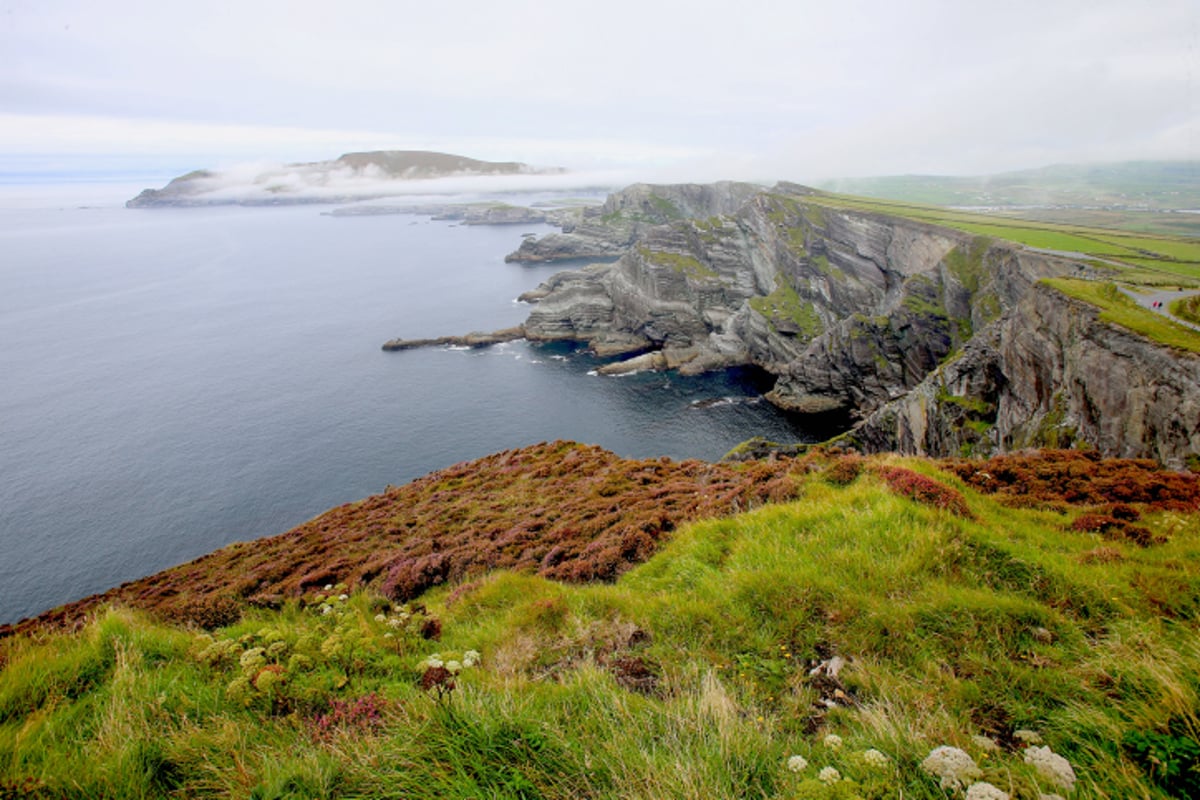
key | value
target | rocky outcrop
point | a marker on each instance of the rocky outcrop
(933, 340)
(1050, 374)
(850, 309)
(608, 232)
(925, 339)
(476, 339)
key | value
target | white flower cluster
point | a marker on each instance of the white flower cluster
(985, 744)
(329, 603)
(454, 666)
(829, 775)
(397, 618)
(875, 759)
(953, 766)
(985, 791)
(797, 763)
(1051, 766)
(833, 741)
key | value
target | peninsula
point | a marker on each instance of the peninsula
(941, 332)
(350, 177)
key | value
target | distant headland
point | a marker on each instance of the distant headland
(352, 176)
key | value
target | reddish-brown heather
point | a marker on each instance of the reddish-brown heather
(924, 490)
(1080, 478)
(844, 469)
(563, 510)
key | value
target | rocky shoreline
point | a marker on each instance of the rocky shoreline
(935, 341)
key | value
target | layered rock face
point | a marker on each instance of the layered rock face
(938, 342)
(1049, 373)
(608, 231)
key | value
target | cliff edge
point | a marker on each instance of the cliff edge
(935, 339)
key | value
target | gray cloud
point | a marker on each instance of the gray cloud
(766, 89)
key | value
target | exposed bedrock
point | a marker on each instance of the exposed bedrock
(1050, 374)
(608, 231)
(935, 340)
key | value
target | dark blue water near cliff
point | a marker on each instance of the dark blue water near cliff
(175, 380)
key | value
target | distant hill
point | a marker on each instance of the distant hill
(1133, 195)
(1130, 184)
(352, 176)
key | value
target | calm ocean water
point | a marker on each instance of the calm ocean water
(176, 380)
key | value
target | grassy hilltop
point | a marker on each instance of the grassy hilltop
(1141, 196)
(1141, 262)
(855, 612)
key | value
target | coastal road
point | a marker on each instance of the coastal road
(1148, 300)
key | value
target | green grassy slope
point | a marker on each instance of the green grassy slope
(1130, 195)
(963, 618)
(1134, 260)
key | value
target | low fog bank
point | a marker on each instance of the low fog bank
(261, 183)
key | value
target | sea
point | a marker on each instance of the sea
(175, 380)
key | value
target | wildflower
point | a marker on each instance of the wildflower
(471, 658)
(985, 791)
(432, 661)
(394, 622)
(1051, 766)
(381, 617)
(829, 775)
(833, 741)
(454, 667)
(875, 759)
(952, 765)
(985, 744)
(797, 763)
(389, 635)
(1026, 736)
(439, 680)
(326, 609)
(343, 597)
(329, 587)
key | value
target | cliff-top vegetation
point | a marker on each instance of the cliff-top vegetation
(864, 627)
(1136, 261)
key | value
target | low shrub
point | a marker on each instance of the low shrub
(1080, 478)
(916, 486)
(844, 470)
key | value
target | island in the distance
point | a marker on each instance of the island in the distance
(350, 177)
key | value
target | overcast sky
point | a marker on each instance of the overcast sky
(693, 89)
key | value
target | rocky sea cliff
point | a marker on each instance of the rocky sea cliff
(936, 340)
